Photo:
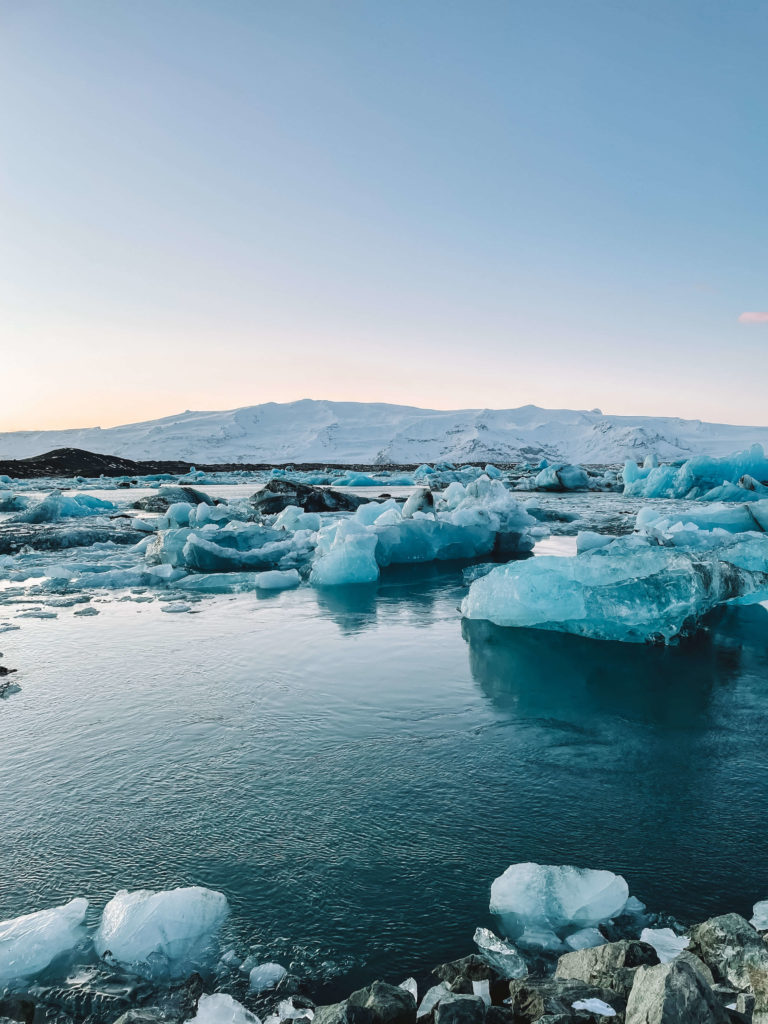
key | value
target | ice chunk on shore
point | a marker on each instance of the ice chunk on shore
(264, 977)
(585, 938)
(500, 954)
(222, 1009)
(535, 902)
(177, 927)
(30, 944)
(666, 942)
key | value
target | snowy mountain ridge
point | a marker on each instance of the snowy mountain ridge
(376, 433)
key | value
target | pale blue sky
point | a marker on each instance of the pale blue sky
(213, 203)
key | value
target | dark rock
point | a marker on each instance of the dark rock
(533, 998)
(169, 495)
(459, 975)
(610, 966)
(499, 1015)
(334, 1013)
(279, 494)
(732, 949)
(152, 503)
(459, 1008)
(673, 993)
(17, 1008)
(381, 1003)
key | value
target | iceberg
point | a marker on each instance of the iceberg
(632, 590)
(30, 944)
(539, 905)
(562, 478)
(345, 555)
(56, 506)
(701, 477)
(170, 932)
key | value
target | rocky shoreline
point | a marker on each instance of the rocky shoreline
(720, 977)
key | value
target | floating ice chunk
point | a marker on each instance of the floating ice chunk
(501, 955)
(562, 478)
(431, 998)
(222, 1009)
(176, 608)
(588, 540)
(276, 580)
(30, 944)
(534, 937)
(666, 942)
(585, 938)
(264, 977)
(57, 506)
(493, 472)
(596, 1006)
(759, 919)
(632, 590)
(410, 986)
(293, 517)
(698, 476)
(346, 555)
(634, 906)
(538, 903)
(177, 925)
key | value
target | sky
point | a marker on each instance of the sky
(207, 204)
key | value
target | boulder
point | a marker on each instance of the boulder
(334, 1013)
(459, 1008)
(532, 999)
(279, 494)
(459, 975)
(673, 993)
(610, 966)
(731, 948)
(381, 1003)
(170, 495)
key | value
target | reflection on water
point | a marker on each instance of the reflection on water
(354, 766)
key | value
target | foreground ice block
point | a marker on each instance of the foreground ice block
(30, 944)
(631, 590)
(539, 905)
(169, 933)
(222, 1009)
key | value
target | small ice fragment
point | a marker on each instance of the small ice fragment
(759, 918)
(482, 989)
(585, 938)
(265, 976)
(634, 906)
(175, 606)
(666, 943)
(594, 1006)
(410, 986)
(431, 998)
(501, 955)
(90, 610)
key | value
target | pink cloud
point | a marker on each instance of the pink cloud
(753, 318)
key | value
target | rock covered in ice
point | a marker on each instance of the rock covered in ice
(222, 1009)
(169, 932)
(30, 944)
(265, 976)
(542, 903)
(666, 942)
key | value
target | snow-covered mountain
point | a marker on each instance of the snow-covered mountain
(357, 432)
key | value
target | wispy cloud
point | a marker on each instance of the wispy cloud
(753, 318)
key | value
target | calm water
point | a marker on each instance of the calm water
(353, 769)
